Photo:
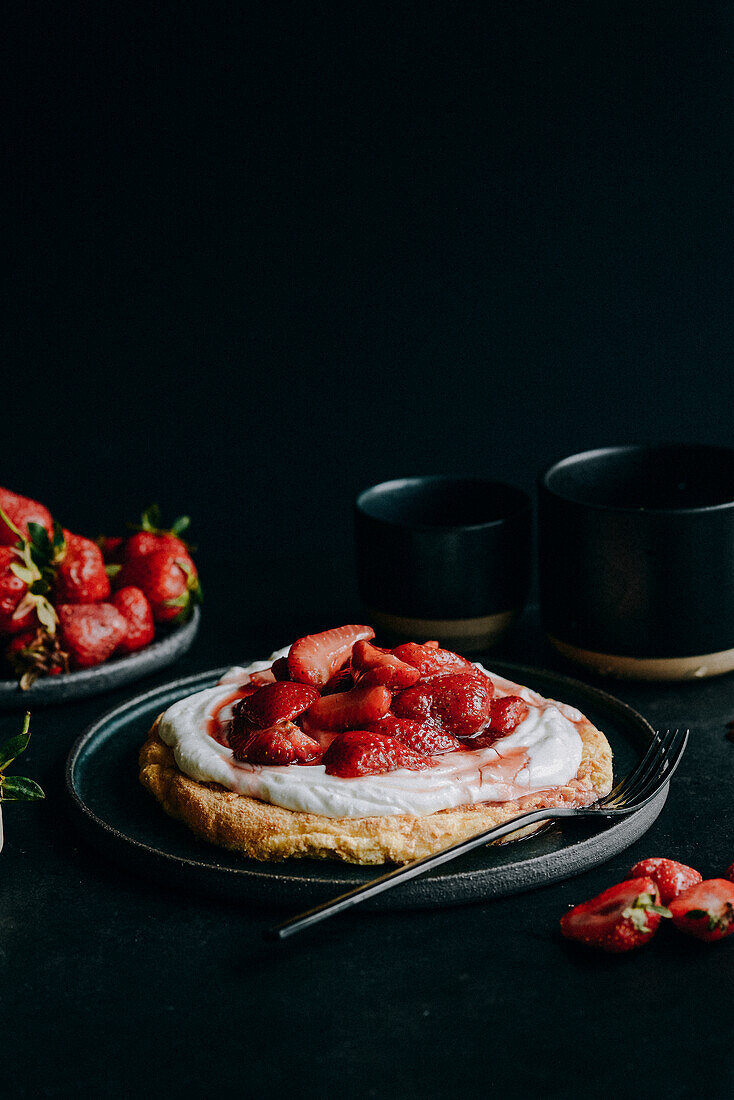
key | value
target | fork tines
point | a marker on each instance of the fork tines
(655, 769)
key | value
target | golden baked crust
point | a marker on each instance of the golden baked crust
(266, 832)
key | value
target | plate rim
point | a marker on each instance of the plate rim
(59, 689)
(245, 873)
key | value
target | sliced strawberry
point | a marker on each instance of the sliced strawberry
(425, 737)
(361, 752)
(705, 910)
(273, 703)
(315, 658)
(378, 666)
(349, 710)
(340, 681)
(671, 878)
(280, 745)
(620, 918)
(280, 669)
(458, 701)
(430, 660)
(264, 676)
(507, 713)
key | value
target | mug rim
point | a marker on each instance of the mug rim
(523, 504)
(631, 448)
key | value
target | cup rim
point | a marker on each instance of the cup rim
(631, 448)
(523, 501)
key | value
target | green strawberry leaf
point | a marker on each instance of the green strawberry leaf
(112, 570)
(16, 745)
(177, 601)
(179, 525)
(661, 909)
(46, 614)
(15, 788)
(58, 544)
(151, 519)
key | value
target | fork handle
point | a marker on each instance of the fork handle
(410, 870)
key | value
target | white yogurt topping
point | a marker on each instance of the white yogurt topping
(543, 751)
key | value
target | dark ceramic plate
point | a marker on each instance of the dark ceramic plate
(112, 674)
(123, 819)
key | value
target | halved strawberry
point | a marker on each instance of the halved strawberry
(348, 710)
(315, 658)
(425, 737)
(280, 745)
(458, 701)
(361, 752)
(378, 666)
(273, 703)
(430, 660)
(507, 713)
(672, 878)
(705, 910)
(623, 917)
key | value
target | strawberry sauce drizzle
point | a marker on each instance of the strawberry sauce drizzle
(215, 727)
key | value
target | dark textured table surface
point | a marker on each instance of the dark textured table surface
(115, 985)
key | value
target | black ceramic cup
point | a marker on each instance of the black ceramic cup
(636, 551)
(443, 557)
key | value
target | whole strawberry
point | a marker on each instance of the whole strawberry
(80, 575)
(36, 653)
(168, 579)
(21, 511)
(133, 605)
(16, 613)
(617, 920)
(25, 572)
(672, 878)
(90, 632)
(151, 536)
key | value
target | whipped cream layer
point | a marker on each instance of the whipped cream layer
(542, 752)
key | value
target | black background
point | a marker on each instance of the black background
(259, 257)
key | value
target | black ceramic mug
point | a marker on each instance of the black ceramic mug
(443, 557)
(636, 551)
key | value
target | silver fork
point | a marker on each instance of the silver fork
(630, 794)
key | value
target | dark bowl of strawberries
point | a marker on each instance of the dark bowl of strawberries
(81, 616)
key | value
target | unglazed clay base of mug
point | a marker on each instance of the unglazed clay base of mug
(461, 634)
(649, 668)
